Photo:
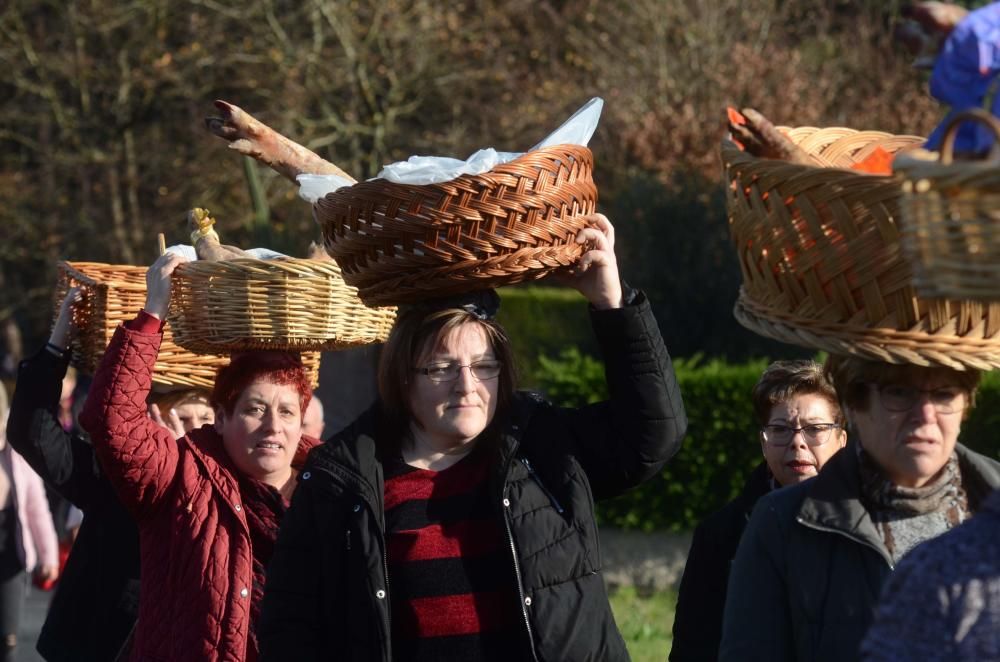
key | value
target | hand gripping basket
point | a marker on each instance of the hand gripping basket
(820, 256)
(114, 294)
(951, 219)
(399, 243)
(286, 303)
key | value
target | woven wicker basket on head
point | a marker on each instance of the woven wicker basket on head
(115, 293)
(820, 256)
(399, 243)
(951, 219)
(285, 303)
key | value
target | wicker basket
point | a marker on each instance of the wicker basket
(115, 293)
(951, 220)
(399, 243)
(821, 262)
(287, 303)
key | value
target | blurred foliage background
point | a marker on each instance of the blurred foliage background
(102, 145)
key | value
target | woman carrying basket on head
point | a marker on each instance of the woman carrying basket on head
(208, 505)
(455, 520)
(814, 557)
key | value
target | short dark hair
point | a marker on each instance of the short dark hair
(783, 380)
(415, 332)
(851, 376)
(244, 368)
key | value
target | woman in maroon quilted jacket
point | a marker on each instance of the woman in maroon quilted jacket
(208, 505)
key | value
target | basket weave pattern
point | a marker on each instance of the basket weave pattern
(114, 294)
(399, 243)
(951, 222)
(819, 252)
(288, 304)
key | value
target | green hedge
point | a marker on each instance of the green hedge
(540, 322)
(721, 445)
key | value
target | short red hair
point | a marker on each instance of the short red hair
(260, 365)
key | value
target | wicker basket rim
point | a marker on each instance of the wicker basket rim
(877, 343)
(500, 169)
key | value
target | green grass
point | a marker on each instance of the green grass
(645, 622)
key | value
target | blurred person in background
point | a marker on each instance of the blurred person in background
(943, 601)
(181, 410)
(312, 422)
(28, 540)
(800, 428)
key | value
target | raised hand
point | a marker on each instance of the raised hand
(158, 284)
(66, 324)
(173, 422)
(595, 275)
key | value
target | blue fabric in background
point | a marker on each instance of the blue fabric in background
(964, 75)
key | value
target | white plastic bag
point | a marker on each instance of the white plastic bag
(577, 130)
(188, 252)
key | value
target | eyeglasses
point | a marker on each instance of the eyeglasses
(815, 434)
(896, 397)
(449, 372)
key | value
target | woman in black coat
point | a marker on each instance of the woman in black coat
(801, 427)
(456, 521)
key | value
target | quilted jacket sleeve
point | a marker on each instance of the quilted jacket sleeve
(627, 439)
(65, 461)
(139, 457)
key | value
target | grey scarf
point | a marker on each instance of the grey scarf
(907, 516)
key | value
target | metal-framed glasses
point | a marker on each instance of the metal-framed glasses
(899, 397)
(449, 372)
(815, 434)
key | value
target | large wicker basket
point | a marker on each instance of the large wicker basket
(285, 303)
(820, 255)
(399, 243)
(114, 294)
(951, 219)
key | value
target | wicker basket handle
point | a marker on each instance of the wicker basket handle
(975, 115)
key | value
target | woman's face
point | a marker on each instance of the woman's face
(452, 413)
(914, 444)
(194, 413)
(798, 461)
(263, 432)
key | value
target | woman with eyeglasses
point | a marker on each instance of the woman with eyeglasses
(455, 521)
(814, 557)
(801, 427)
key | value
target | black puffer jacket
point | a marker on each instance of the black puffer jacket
(701, 597)
(328, 591)
(97, 598)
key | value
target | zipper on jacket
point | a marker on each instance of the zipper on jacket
(517, 572)
(538, 481)
(348, 539)
(845, 534)
(385, 575)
